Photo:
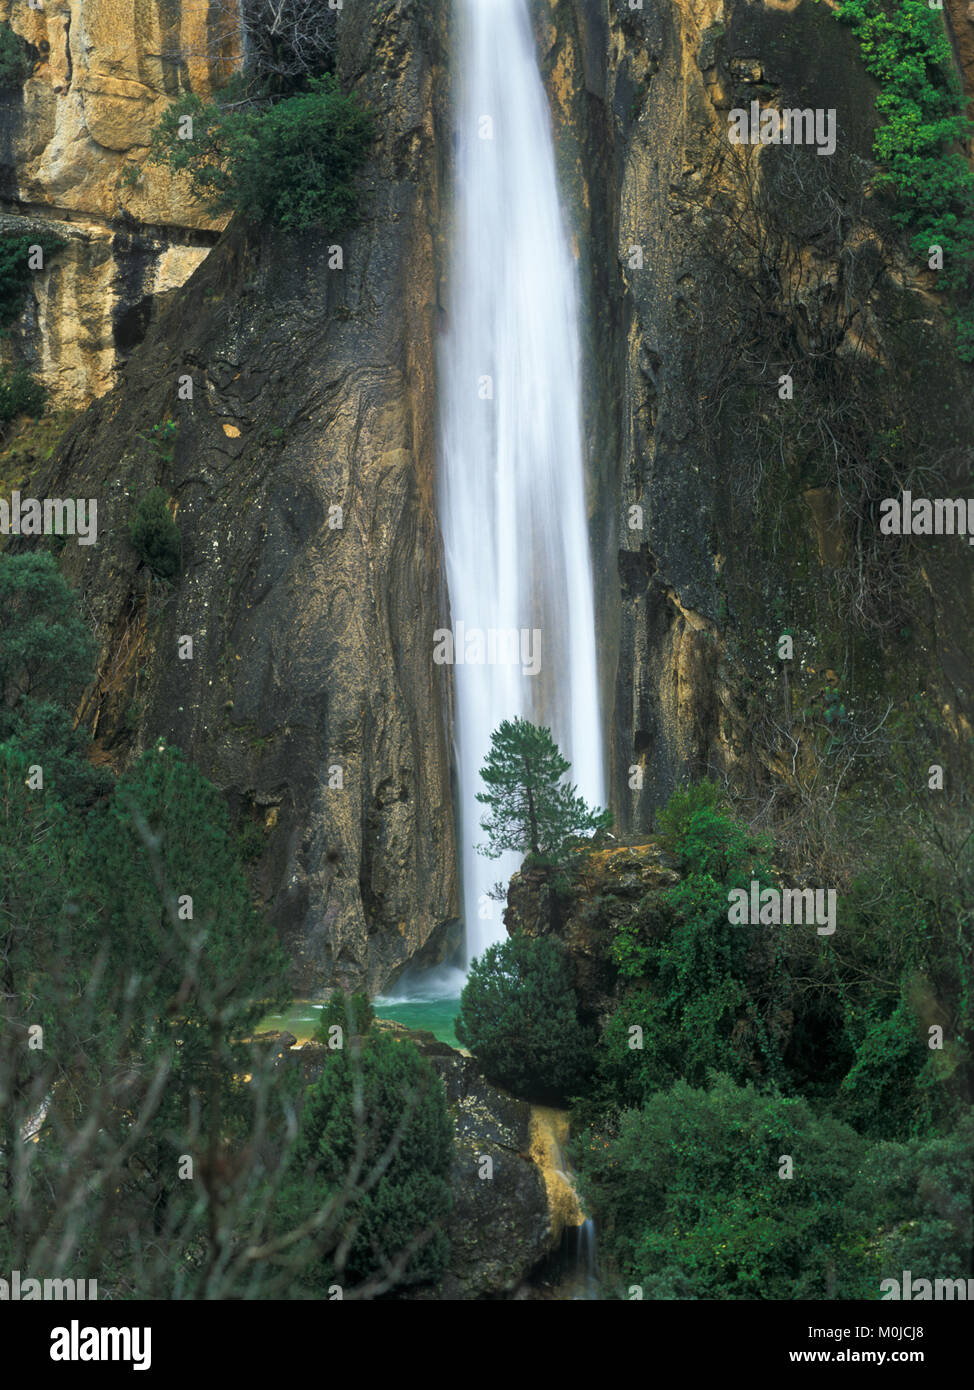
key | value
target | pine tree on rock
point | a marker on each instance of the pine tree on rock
(532, 810)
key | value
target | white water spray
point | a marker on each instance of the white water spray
(512, 504)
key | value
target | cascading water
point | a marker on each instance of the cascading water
(512, 504)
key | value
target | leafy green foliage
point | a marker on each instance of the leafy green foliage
(46, 735)
(689, 1202)
(155, 535)
(15, 271)
(15, 59)
(532, 811)
(20, 394)
(694, 1001)
(891, 1090)
(47, 657)
(292, 163)
(924, 1196)
(907, 939)
(905, 47)
(519, 1017)
(353, 1014)
(165, 838)
(162, 439)
(674, 817)
(46, 651)
(378, 1112)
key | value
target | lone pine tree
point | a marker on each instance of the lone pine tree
(532, 810)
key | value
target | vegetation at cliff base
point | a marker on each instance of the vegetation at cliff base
(729, 1192)
(519, 1017)
(170, 1158)
(376, 1141)
(750, 1088)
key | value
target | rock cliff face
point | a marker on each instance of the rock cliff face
(681, 236)
(505, 1220)
(706, 272)
(607, 887)
(302, 476)
(103, 71)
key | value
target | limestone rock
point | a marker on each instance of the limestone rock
(502, 1225)
(312, 698)
(105, 73)
(607, 886)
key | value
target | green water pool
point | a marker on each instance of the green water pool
(434, 1016)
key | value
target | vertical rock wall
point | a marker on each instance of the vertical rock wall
(70, 142)
(311, 696)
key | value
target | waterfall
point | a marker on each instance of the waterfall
(511, 494)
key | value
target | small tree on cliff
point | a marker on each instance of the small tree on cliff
(532, 811)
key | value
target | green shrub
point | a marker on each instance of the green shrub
(519, 1017)
(16, 62)
(15, 271)
(689, 1201)
(46, 650)
(674, 818)
(250, 843)
(924, 1191)
(379, 1110)
(47, 657)
(905, 47)
(353, 1014)
(20, 394)
(156, 536)
(694, 974)
(894, 1088)
(293, 163)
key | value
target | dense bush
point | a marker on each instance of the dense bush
(15, 271)
(46, 650)
(905, 46)
(519, 1017)
(379, 1112)
(20, 394)
(156, 536)
(694, 996)
(292, 163)
(353, 1014)
(691, 1200)
(15, 59)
